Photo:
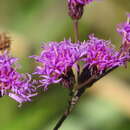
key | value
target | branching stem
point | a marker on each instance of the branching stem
(77, 94)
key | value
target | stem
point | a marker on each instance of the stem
(94, 79)
(76, 31)
(73, 101)
(77, 94)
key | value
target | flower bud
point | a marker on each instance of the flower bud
(76, 8)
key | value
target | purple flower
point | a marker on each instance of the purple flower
(124, 30)
(76, 8)
(12, 83)
(56, 60)
(83, 2)
(99, 55)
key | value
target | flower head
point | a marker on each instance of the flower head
(12, 83)
(100, 55)
(83, 2)
(5, 42)
(76, 8)
(124, 30)
(56, 60)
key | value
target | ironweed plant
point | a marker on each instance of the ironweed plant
(75, 65)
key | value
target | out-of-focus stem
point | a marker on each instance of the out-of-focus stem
(76, 30)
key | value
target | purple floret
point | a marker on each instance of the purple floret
(12, 83)
(56, 60)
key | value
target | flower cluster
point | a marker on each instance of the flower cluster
(56, 60)
(76, 8)
(100, 55)
(59, 61)
(12, 83)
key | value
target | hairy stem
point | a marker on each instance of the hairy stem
(76, 31)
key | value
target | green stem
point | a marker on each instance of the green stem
(76, 94)
(76, 31)
(73, 101)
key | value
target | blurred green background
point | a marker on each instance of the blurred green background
(105, 106)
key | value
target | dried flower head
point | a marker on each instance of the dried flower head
(12, 83)
(5, 42)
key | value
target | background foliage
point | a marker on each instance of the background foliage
(105, 106)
